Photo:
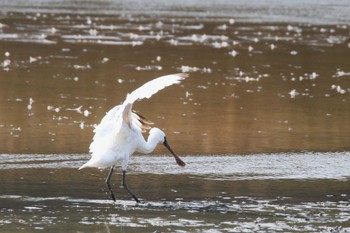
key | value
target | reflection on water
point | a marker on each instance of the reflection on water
(317, 12)
(254, 87)
(306, 166)
(266, 78)
(221, 215)
(281, 192)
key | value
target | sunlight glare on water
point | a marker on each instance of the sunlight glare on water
(303, 166)
(272, 192)
(252, 86)
(261, 122)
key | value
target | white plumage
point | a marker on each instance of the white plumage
(119, 134)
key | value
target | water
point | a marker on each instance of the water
(266, 192)
(261, 122)
(253, 86)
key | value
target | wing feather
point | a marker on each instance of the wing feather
(153, 86)
(110, 126)
(105, 131)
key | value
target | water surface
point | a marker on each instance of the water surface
(305, 192)
(261, 122)
(254, 86)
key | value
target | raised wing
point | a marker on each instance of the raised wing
(146, 91)
(153, 86)
(106, 132)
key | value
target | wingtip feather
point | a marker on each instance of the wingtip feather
(182, 75)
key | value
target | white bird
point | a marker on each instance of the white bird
(119, 134)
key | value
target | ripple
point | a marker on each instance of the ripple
(240, 214)
(296, 166)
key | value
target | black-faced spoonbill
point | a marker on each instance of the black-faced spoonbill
(119, 134)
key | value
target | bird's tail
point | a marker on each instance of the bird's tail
(84, 166)
(94, 162)
(87, 164)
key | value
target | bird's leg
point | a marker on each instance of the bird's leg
(109, 185)
(127, 188)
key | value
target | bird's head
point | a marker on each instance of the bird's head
(161, 137)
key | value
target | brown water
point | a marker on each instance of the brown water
(265, 78)
(253, 87)
(295, 192)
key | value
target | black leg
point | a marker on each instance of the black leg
(109, 185)
(127, 188)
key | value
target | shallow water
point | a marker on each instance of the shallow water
(254, 86)
(269, 83)
(265, 192)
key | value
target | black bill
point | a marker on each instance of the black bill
(177, 158)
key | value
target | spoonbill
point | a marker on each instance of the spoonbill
(119, 134)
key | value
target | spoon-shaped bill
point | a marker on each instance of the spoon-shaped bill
(177, 158)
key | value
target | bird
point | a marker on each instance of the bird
(120, 133)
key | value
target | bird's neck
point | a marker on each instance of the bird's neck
(148, 146)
